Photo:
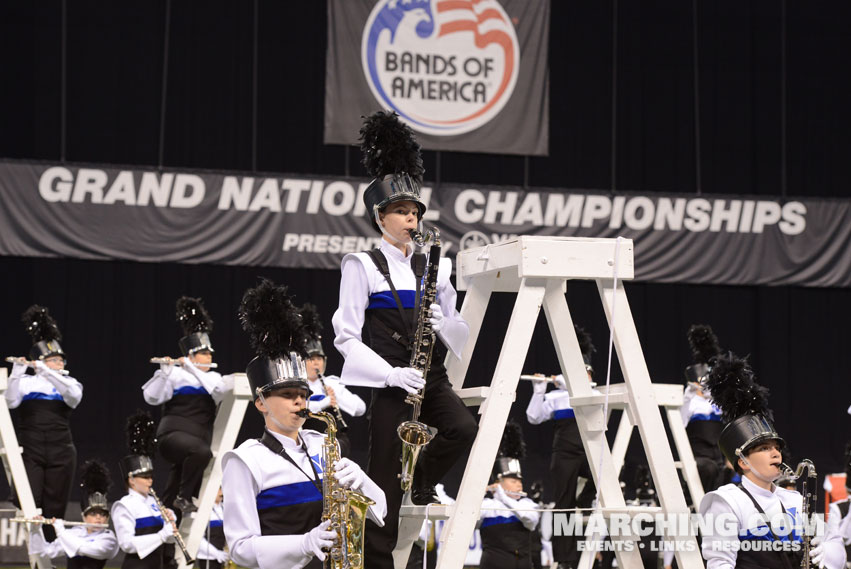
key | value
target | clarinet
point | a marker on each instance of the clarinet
(808, 500)
(177, 537)
(340, 421)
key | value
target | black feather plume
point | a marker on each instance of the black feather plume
(512, 444)
(192, 316)
(586, 345)
(731, 383)
(311, 322)
(703, 343)
(141, 434)
(389, 147)
(40, 324)
(94, 477)
(274, 324)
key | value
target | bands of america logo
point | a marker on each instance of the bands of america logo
(446, 66)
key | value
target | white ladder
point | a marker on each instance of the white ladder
(536, 269)
(13, 464)
(225, 430)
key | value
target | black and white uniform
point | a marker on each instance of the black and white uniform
(568, 460)
(44, 402)
(839, 523)
(211, 554)
(365, 324)
(347, 401)
(141, 531)
(270, 503)
(702, 420)
(189, 397)
(740, 501)
(84, 550)
(506, 535)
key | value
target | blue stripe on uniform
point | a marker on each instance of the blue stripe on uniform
(288, 495)
(189, 390)
(149, 521)
(216, 523)
(564, 414)
(316, 397)
(56, 396)
(706, 417)
(499, 520)
(385, 299)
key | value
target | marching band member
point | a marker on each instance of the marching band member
(839, 520)
(45, 401)
(701, 417)
(507, 535)
(139, 524)
(189, 393)
(375, 324)
(568, 460)
(750, 442)
(211, 552)
(327, 393)
(273, 486)
(87, 547)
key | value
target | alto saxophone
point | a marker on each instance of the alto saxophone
(415, 434)
(809, 498)
(344, 507)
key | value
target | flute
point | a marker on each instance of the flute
(49, 521)
(550, 378)
(31, 363)
(176, 362)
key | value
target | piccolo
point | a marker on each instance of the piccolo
(20, 360)
(176, 362)
(49, 521)
(550, 378)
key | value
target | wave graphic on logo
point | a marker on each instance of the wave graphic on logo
(446, 66)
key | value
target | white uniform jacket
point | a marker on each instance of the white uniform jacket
(495, 512)
(136, 512)
(207, 550)
(720, 547)
(171, 380)
(46, 384)
(347, 401)
(76, 541)
(362, 285)
(550, 406)
(254, 478)
(698, 408)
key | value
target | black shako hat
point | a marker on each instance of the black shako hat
(142, 443)
(704, 346)
(44, 332)
(196, 324)
(95, 483)
(279, 333)
(512, 449)
(744, 406)
(391, 155)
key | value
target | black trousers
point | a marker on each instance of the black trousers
(50, 460)
(189, 456)
(456, 431)
(565, 470)
(499, 559)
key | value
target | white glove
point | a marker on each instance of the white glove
(503, 497)
(316, 539)
(559, 382)
(59, 526)
(167, 533)
(408, 378)
(817, 553)
(349, 473)
(539, 386)
(221, 556)
(167, 369)
(320, 404)
(437, 318)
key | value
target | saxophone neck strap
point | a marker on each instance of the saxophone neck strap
(418, 264)
(274, 445)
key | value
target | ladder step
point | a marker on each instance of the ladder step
(473, 396)
(435, 511)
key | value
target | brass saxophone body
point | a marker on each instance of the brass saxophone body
(808, 492)
(344, 507)
(415, 434)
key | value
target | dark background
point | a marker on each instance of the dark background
(83, 81)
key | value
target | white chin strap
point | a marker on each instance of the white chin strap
(754, 471)
(271, 416)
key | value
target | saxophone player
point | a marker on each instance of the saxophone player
(375, 324)
(273, 486)
(763, 534)
(328, 394)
